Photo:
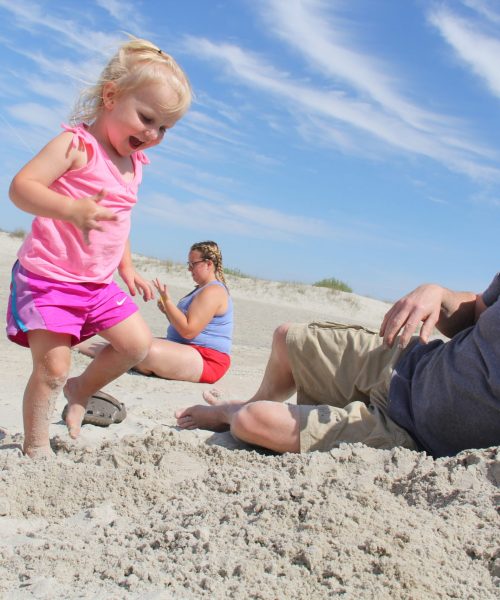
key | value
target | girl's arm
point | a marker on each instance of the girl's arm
(202, 309)
(132, 279)
(30, 190)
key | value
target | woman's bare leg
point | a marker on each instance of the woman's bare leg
(51, 362)
(129, 343)
(171, 360)
(165, 359)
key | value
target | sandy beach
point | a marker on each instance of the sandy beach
(144, 510)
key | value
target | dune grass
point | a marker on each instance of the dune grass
(333, 284)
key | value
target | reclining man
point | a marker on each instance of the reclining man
(384, 389)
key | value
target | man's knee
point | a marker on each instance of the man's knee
(245, 422)
(279, 336)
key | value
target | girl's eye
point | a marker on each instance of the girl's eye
(162, 130)
(145, 119)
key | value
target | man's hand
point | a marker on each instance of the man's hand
(423, 305)
(86, 214)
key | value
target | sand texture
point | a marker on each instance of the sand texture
(144, 510)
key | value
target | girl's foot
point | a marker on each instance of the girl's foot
(38, 452)
(76, 410)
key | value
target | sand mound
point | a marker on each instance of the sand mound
(142, 510)
(153, 514)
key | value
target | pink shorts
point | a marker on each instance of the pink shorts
(215, 364)
(78, 309)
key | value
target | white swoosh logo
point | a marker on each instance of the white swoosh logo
(120, 302)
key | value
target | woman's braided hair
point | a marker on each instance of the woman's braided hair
(210, 251)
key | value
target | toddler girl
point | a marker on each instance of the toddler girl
(82, 187)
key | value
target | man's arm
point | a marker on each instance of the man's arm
(433, 306)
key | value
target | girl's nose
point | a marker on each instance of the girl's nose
(152, 134)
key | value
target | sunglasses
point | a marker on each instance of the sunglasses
(191, 264)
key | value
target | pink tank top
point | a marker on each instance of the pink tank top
(56, 249)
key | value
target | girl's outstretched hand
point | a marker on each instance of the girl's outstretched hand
(86, 214)
(136, 283)
(164, 295)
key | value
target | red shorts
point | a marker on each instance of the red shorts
(215, 364)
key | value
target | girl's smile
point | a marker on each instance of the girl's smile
(135, 120)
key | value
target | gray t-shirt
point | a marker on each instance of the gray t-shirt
(447, 395)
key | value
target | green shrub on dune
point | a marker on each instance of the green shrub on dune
(333, 284)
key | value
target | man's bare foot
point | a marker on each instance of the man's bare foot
(213, 418)
(76, 410)
(38, 452)
(215, 397)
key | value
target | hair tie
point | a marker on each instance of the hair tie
(159, 50)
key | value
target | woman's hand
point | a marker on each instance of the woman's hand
(164, 295)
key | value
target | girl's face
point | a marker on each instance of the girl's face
(201, 270)
(137, 120)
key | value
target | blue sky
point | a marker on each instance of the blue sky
(356, 139)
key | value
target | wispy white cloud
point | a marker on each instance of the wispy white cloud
(485, 8)
(478, 50)
(126, 14)
(445, 145)
(237, 219)
(322, 37)
(31, 16)
(34, 114)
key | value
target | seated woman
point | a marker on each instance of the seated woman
(197, 346)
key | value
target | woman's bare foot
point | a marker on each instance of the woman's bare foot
(76, 410)
(91, 347)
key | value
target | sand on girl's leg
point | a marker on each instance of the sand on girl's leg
(37, 414)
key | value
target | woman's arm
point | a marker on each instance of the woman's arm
(30, 190)
(433, 306)
(209, 302)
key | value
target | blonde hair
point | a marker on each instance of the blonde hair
(210, 251)
(136, 63)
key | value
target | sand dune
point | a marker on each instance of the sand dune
(143, 510)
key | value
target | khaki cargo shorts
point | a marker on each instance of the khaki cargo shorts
(342, 374)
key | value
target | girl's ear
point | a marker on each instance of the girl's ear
(109, 93)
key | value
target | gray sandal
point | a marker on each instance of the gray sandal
(102, 410)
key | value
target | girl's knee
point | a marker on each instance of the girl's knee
(136, 346)
(53, 372)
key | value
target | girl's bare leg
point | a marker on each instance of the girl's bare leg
(129, 343)
(51, 362)
(277, 385)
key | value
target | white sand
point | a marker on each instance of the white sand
(142, 510)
